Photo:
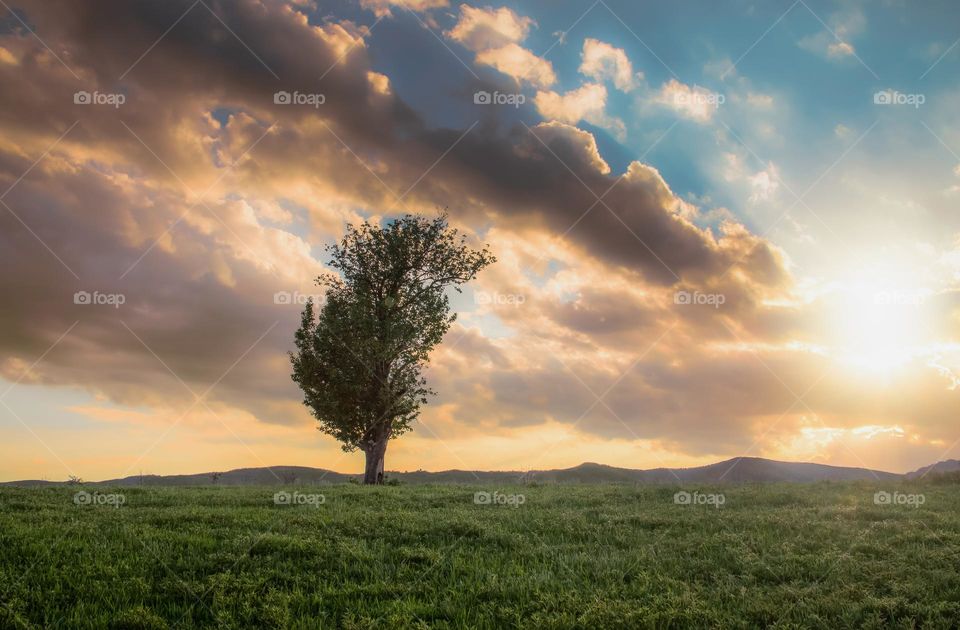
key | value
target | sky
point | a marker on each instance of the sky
(722, 228)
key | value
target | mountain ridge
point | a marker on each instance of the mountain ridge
(733, 470)
(944, 466)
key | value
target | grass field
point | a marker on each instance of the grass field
(608, 556)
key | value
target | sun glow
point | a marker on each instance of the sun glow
(878, 325)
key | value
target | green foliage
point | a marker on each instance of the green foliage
(571, 556)
(359, 360)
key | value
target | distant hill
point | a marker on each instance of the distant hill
(741, 469)
(946, 466)
(736, 470)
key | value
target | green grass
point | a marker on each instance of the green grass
(612, 556)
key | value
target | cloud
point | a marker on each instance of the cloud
(379, 82)
(342, 37)
(484, 29)
(495, 35)
(381, 8)
(519, 63)
(840, 49)
(588, 103)
(573, 106)
(764, 184)
(601, 61)
(573, 146)
(7, 57)
(834, 42)
(760, 101)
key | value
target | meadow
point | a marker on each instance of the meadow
(444, 556)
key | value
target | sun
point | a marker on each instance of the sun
(877, 325)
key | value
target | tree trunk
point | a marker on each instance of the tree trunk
(373, 471)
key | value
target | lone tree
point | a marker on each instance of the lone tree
(359, 360)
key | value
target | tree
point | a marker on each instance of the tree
(360, 359)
